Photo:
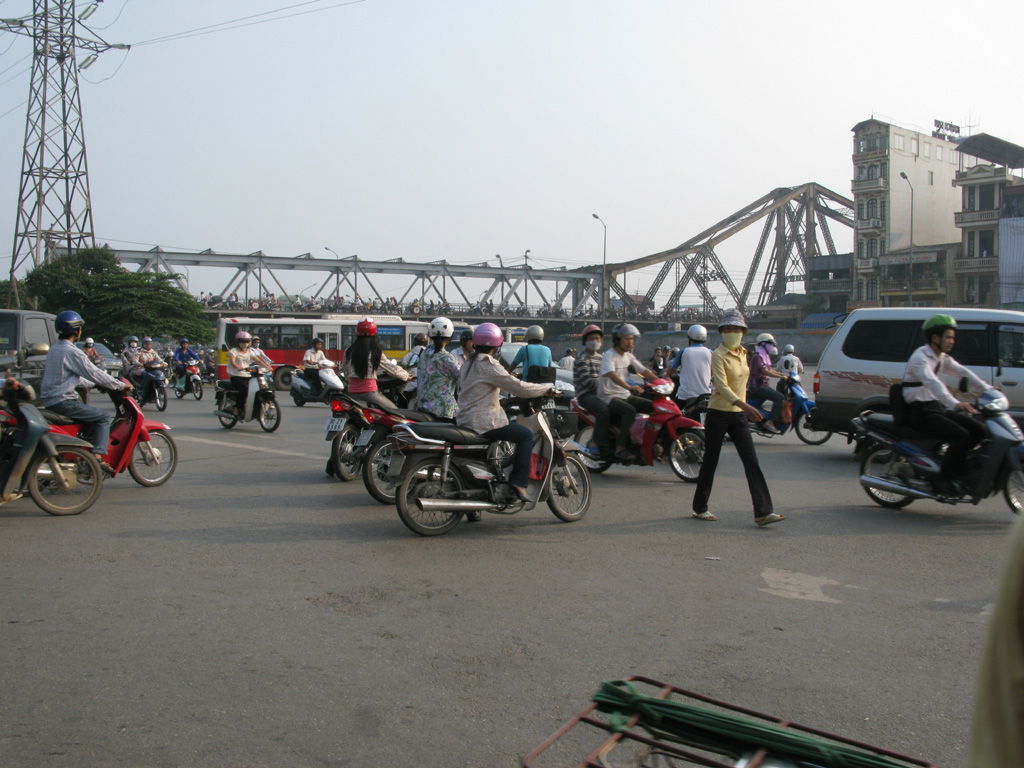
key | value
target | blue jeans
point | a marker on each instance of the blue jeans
(523, 440)
(95, 422)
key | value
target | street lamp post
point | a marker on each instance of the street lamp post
(604, 271)
(910, 266)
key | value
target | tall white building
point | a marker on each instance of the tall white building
(888, 162)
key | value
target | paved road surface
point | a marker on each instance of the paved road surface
(253, 612)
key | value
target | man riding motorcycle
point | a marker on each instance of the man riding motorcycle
(65, 365)
(183, 356)
(586, 377)
(148, 359)
(311, 364)
(693, 364)
(618, 393)
(932, 410)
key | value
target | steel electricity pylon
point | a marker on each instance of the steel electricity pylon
(54, 207)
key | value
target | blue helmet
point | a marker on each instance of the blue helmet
(67, 322)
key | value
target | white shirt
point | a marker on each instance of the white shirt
(567, 363)
(618, 362)
(312, 358)
(925, 366)
(694, 372)
(789, 363)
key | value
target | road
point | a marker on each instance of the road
(254, 612)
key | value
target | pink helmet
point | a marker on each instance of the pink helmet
(243, 336)
(488, 335)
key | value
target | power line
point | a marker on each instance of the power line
(107, 26)
(233, 23)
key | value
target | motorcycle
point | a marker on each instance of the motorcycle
(190, 381)
(358, 434)
(152, 374)
(666, 433)
(331, 384)
(901, 465)
(58, 471)
(800, 417)
(260, 402)
(445, 472)
(137, 444)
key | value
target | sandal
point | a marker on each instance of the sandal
(769, 519)
(705, 515)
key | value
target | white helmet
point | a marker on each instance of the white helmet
(440, 327)
(789, 349)
(697, 333)
(535, 333)
(762, 337)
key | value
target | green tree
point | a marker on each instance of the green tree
(114, 301)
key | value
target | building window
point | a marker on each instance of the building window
(938, 153)
(872, 143)
(970, 245)
(987, 197)
(897, 141)
(860, 249)
(860, 211)
(872, 171)
(881, 246)
(913, 145)
(860, 172)
(859, 144)
(931, 178)
(971, 289)
(926, 148)
(881, 210)
(872, 208)
(872, 290)
(883, 141)
(970, 199)
(860, 290)
(872, 248)
(883, 170)
(986, 243)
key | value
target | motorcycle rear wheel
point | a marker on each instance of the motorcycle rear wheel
(569, 498)
(81, 470)
(1013, 491)
(877, 462)
(154, 462)
(268, 415)
(802, 426)
(298, 400)
(423, 481)
(197, 389)
(178, 393)
(376, 465)
(686, 454)
(584, 437)
(346, 467)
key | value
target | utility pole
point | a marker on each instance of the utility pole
(54, 206)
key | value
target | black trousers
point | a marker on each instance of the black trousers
(716, 425)
(624, 409)
(960, 431)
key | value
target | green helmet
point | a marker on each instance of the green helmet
(937, 323)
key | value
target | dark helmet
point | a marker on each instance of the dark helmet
(624, 329)
(67, 322)
(316, 340)
(466, 335)
(420, 338)
(184, 340)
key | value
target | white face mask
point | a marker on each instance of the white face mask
(593, 344)
(133, 344)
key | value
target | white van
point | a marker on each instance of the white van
(869, 352)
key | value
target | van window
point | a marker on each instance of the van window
(973, 344)
(8, 333)
(35, 332)
(888, 341)
(1011, 346)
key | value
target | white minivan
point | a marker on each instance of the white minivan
(869, 352)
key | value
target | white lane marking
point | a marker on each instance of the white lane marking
(797, 586)
(238, 446)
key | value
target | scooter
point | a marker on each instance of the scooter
(152, 374)
(800, 417)
(666, 433)
(142, 446)
(902, 465)
(445, 472)
(59, 472)
(358, 434)
(190, 381)
(260, 402)
(331, 383)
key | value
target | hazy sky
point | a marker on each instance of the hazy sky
(461, 129)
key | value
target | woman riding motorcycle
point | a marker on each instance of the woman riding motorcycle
(364, 360)
(438, 373)
(481, 379)
(240, 359)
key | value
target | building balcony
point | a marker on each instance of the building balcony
(869, 185)
(871, 154)
(970, 218)
(924, 285)
(844, 286)
(862, 225)
(990, 264)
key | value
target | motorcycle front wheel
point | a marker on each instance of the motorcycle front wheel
(880, 462)
(424, 481)
(1013, 491)
(686, 454)
(154, 461)
(80, 469)
(584, 437)
(343, 447)
(161, 398)
(809, 435)
(569, 498)
(197, 389)
(376, 466)
(268, 415)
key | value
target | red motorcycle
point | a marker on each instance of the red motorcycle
(140, 445)
(666, 433)
(358, 434)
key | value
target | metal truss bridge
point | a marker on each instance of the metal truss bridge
(794, 228)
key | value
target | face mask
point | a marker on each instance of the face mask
(133, 344)
(593, 344)
(732, 339)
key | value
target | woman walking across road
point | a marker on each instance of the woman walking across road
(728, 413)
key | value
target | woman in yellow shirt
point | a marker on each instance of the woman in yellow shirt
(728, 413)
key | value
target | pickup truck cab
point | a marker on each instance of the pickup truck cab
(25, 338)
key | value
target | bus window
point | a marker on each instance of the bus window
(391, 338)
(296, 336)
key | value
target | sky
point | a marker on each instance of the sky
(461, 129)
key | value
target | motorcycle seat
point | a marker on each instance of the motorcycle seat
(418, 416)
(53, 417)
(436, 430)
(886, 423)
(225, 384)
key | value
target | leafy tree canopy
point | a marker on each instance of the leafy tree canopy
(114, 301)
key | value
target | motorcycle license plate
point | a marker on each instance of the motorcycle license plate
(335, 424)
(364, 438)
